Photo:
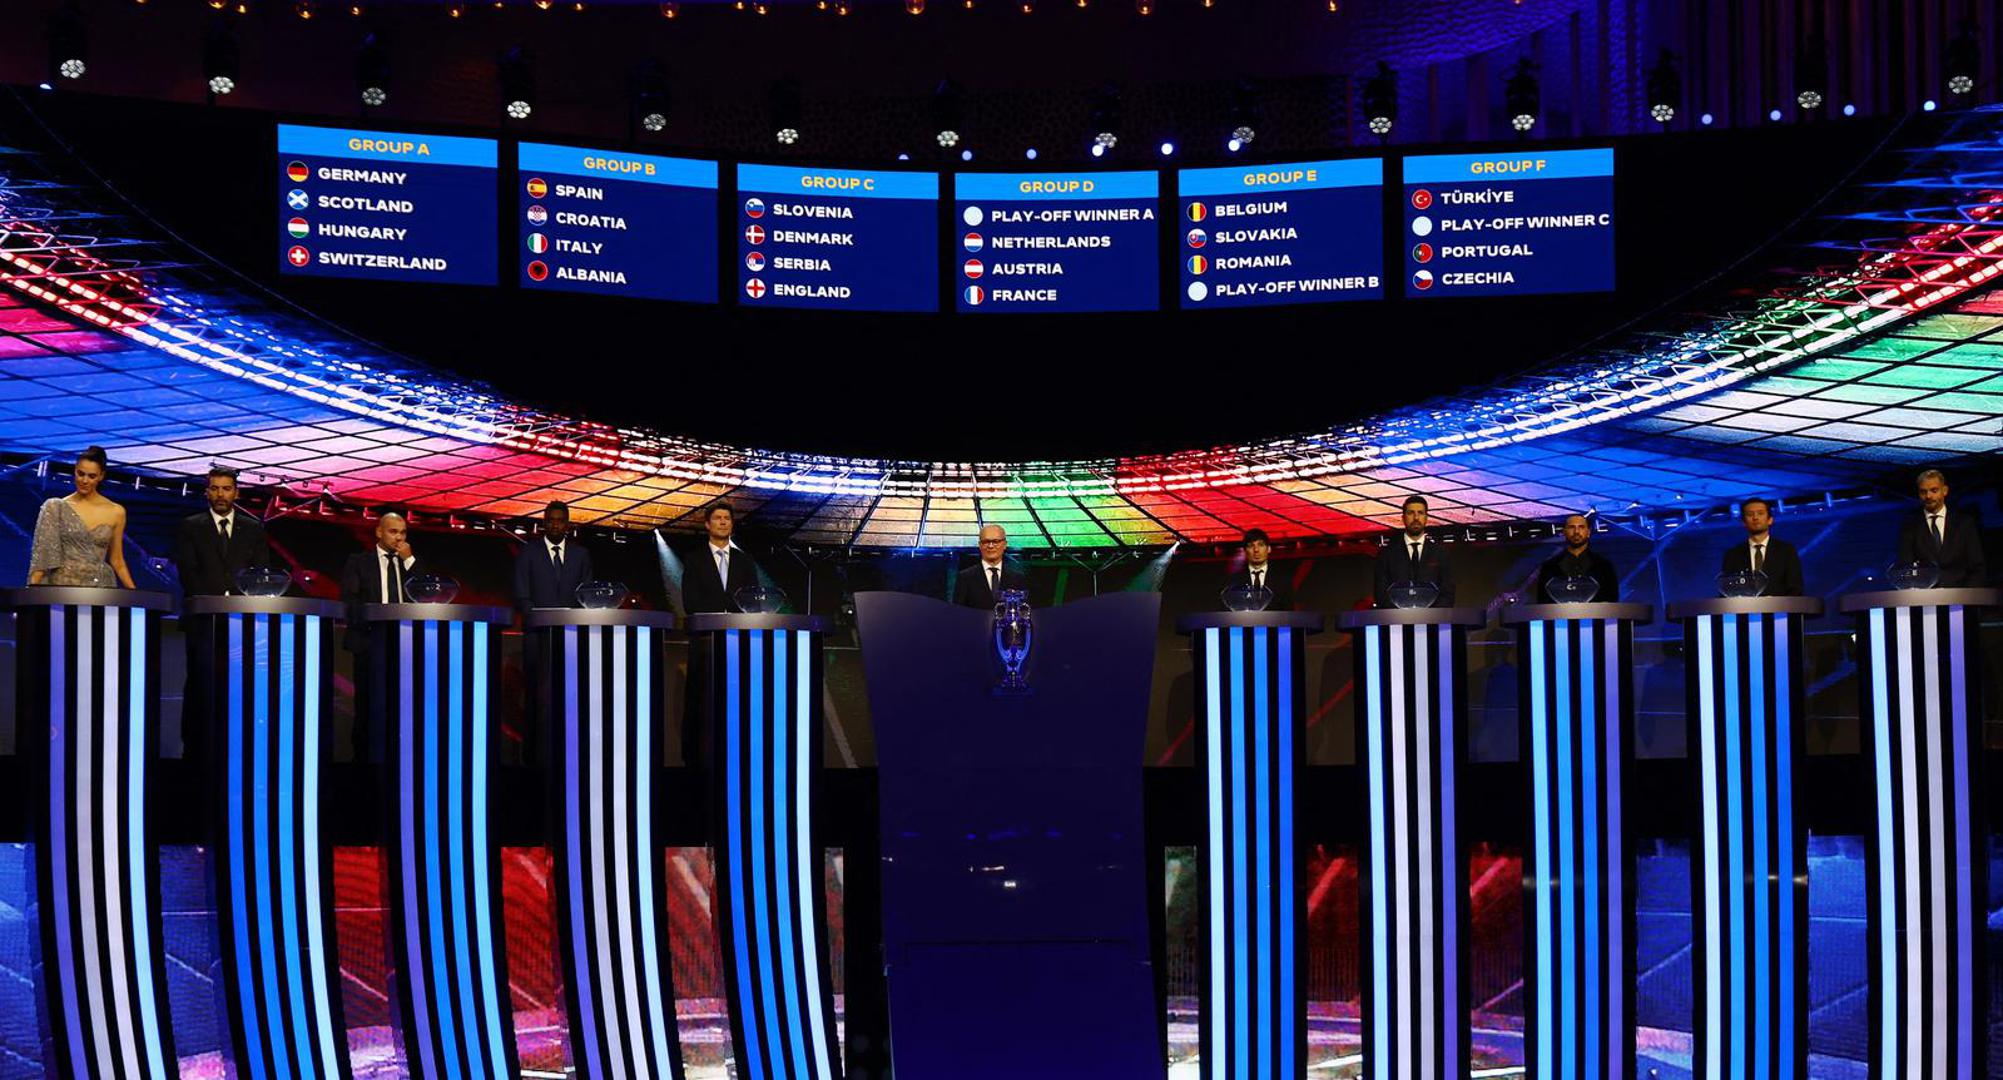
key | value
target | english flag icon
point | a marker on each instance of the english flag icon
(297, 255)
(973, 242)
(296, 199)
(1198, 211)
(754, 288)
(974, 269)
(298, 228)
(975, 295)
(538, 187)
(296, 172)
(1422, 280)
(754, 208)
(755, 261)
(755, 234)
(538, 270)
(1422, 199)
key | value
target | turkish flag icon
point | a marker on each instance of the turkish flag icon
(1422, 199)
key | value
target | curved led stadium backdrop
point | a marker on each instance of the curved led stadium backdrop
(1783, 379)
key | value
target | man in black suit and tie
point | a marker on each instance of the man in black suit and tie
(981, 585)
(1765, 552)
(210, 547)
(1576, 560)
(547, 573)
(711, 578)
(1259, 572)
(1414, 556)
(375, 576)
(1952, 542)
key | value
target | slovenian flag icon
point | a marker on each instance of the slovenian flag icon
(298, 228)
(975, 295)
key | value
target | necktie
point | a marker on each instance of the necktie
(1415, 554)
(994, 581)
(1933, 524)
(723, 567)
(1259, 577)
(1759, 557)
(223, 530)
(395, 578)
(556, 556)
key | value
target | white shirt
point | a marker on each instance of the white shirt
(555, 550)
(1258, 573)
(1936, 522)
(219, 520)
(1414, 546)
(1755, 555)
(388, 584)
(719, 557)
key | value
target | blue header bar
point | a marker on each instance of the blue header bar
(387, 146)
(1294, 176)
(1510, 167)
(838, 183)
(612, 165)
(1051, 187)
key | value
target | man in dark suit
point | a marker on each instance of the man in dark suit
(1952, 542)
(547, 573)
(1764, 552)
(711, 578)
(210, 547)
(1260, 572)
(981, 585)
(1576, 560)
(1414, 556)
(375, 576)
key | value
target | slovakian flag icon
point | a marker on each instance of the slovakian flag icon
(975, 295)
(973, 268)
(973, 242)
(538, 243)
(297, 255)
(1422, 280)
(755, 234)
(296, 172)
(538, 187)
(1198, 211)
(754, 288)
(538, 215)
(755, 261)
(1422, 253)
(298, 228)
(538, 270)
(754, 208)
(1197, 238)
(1198, 264)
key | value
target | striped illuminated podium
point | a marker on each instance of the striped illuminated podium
(437, 668)
(764, 698)
(1251, 692)
(268, 690)
(1411, 708)
(1922, 707)
(1749, 885)
(89, 661)
(1575, 665)
(607, 701)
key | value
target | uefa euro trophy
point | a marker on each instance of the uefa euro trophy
(263, 581)
(601, 595)
(1413, 594)
(1246, 596)
(1575, 589)
(1912, 575)
(1739, 584)
(1014, 631)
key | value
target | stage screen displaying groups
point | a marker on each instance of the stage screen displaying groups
(848, 239)
(621, 224)
(1534, 221)
(1306, 232)
(388, 206)
(1058, 241)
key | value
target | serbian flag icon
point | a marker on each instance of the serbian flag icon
(1198, 265)
(973, 242)
(297, 255)
(975, 295)
(298, 228)
(296, 172)
(538, 187)
(973, 268)
(538, 243)
(1198, 211)
(538, 270)
(755, 261)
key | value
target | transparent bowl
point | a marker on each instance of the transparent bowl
(600, 595)
(431, 589)
(1577, 589)
(759, 599)
(1737, 584)
(1246, 597)
(1913, 575)
(1413, 594)
(263, 581)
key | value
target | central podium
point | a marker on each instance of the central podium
(1015, 898)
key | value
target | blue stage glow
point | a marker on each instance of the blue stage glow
(1241, 945)
(1783, 724)
(414, 834)
(1589, 818)
(785, 887)
(261, 826)
(747, 1015)
(760, 840)
(1763, 875)
(1215, 791)
(490, 983)
(287, 749)
(1707, 741)
(650, 954)
(574, 810)
(1561, 879)
(455, 845)
(1881, 759)
(1380, 933)
(1262, 851)
(452, 1038)
(1288, 853)
(1540, 814)
(240, 921)
(1735, 860)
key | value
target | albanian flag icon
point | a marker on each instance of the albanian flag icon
(1198, 211)
(296, 172)
(538, 270)
(538, 187)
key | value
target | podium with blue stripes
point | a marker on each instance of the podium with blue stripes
(1576, 691)
(439, 669)
(764, 675)
(1750, 866)
(89, 662)
(1251, 717)
(1920, 689)
(1411, 704)
(270, 686)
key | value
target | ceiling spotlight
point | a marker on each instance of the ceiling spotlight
(1105, 141)
(221, 59)
(1106, 110)
(1167, 148)
(1098, 149)
(374, 96)
(966, 155)
(1520, 96)
(518, 85)
(671, 9)
(1849, 110)
(1661, 113)
(1145, 7)
(68, 42)
(786, 108)
(1964, 60)
(949, 138)
(372, 72)
(1030, 153)
(1665, 88)
(1380, 100)
(303, 9)
(1929, 105)
(1233, 145)
(654, 121)
(1774, 115)
(914, 7)
(1707, 119)
(1243, 134)
(1809, 99)
(648, 88)
(1523, 121)
(946, 114)
(1811, 74)
(1961, 84)
(1380, 126)
(789, 136)
(456, 9)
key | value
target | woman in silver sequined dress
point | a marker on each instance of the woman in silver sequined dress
(80, 539)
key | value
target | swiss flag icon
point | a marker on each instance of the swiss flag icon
(297, 255)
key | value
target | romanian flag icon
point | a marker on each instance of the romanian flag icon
(1198, 264)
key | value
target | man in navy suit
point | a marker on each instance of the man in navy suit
(1764, 552)
(981, 585)
(1952, 542)
(547, 574)
(1414, 556)
(1260, 572)
(711, 578)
